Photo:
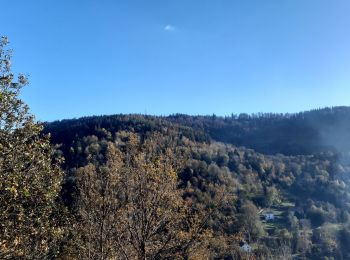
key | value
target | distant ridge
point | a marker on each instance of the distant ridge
(308, 132)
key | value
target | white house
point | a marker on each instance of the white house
(246, 248)
(269, 216)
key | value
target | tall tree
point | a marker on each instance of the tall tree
(130, 206)
(30, 179)
(155, 213)
(249, 219)
(98, 206)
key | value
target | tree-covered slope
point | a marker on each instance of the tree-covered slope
(290, 134)
(308, 194)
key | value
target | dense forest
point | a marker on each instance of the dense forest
(290, 134)
(298, 171)
(265, 186)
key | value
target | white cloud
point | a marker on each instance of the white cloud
(169, 28)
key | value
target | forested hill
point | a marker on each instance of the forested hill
(296, 171)
(289, 134)
(306, 189)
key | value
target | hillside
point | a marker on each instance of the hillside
(289, 134)
(292, 166)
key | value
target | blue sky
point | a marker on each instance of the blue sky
(88, 57)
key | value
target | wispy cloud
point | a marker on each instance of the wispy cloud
(169, 28)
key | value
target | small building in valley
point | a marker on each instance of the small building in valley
(245, 247)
